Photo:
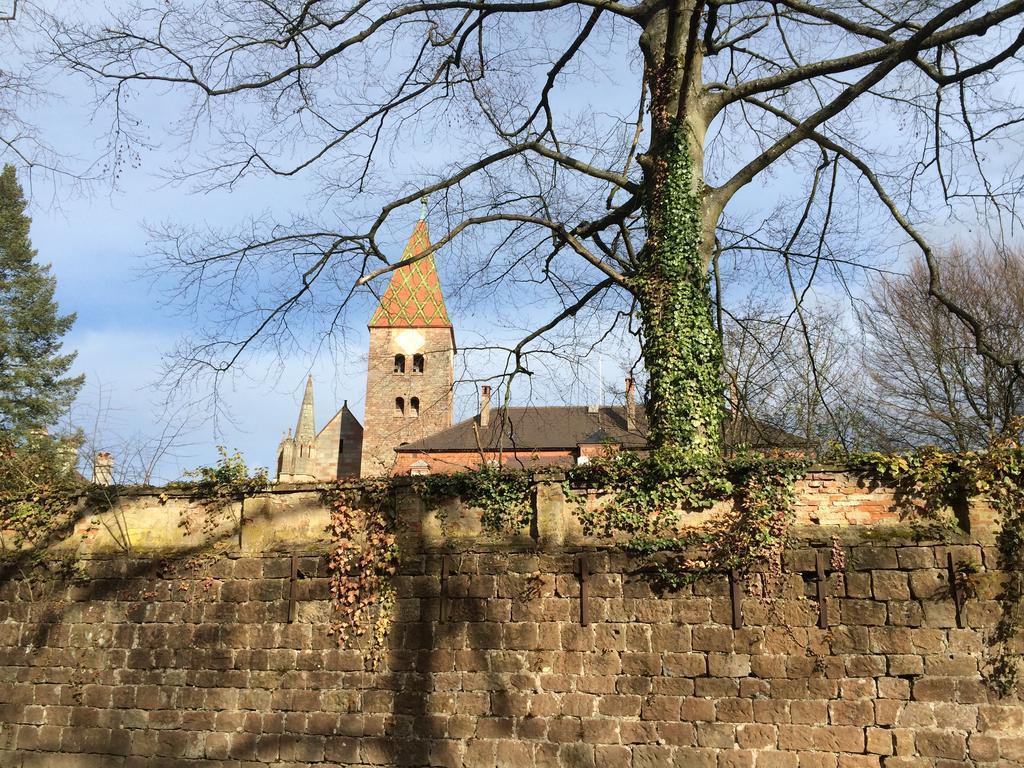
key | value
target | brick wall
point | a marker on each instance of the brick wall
(446, 462)
(190, 660)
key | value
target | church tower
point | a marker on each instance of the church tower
(331, 454)
(410, 371)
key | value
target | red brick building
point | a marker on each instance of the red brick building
(535, 437)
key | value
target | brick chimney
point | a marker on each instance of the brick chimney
(103, 468)
(630, 404)
(485, 405)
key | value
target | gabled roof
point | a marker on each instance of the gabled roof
(536, 428)
(342, 413)
(413, 298)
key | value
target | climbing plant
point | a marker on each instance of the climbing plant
(682, 350)
(930, 483)
(649, 497)
(217, 488)
(363, 559)
(39, 489)
(364, 554)
(501, 495)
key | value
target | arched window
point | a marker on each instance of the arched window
(417, 363)
(399, 406)
(399, 363)
(414, 407)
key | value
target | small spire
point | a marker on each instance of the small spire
(423, 208)
(305, 430)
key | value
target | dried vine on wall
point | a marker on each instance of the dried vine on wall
(363, 559)
(364, 552)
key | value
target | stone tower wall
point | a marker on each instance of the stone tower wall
(304, 451)
(382, 428)
(342, 432)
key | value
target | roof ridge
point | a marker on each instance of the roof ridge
(538, 407)
(344, 408)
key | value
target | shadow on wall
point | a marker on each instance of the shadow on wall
(220, 653)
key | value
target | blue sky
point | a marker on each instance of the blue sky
(95, 236)
(96, 239)
(97, 243)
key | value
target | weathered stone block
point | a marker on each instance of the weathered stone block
(928, 584)
(860, 712)
(941, 744)
(834, 738)
(809, 712)
(757, 736)
(600, 730)
(695, 757)
(736, 758)
(862, 612)
(890, 585)
(772, 759)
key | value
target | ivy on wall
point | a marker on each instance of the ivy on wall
(501, 495)
(933, 484)
(650, 497)
(218, 488)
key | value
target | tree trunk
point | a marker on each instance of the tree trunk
(681, 347)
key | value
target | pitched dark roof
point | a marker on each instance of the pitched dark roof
(553, 427)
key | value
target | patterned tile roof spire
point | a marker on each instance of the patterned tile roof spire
(413, 298)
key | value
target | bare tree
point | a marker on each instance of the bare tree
(18, 140)
(580, 195)
(140, 457)
(23, 142)
(802, 379)
(933, 386)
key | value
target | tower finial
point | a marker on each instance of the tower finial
(423, 208)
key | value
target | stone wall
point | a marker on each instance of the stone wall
(185, 658)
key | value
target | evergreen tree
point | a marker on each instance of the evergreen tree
(34, 387)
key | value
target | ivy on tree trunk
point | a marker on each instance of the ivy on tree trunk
(682, 350)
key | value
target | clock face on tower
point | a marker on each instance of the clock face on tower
(409, 341)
